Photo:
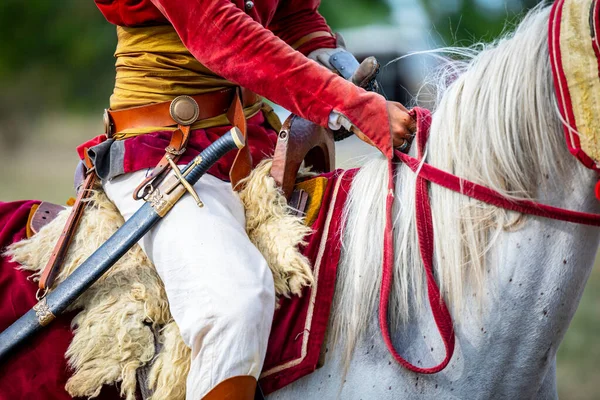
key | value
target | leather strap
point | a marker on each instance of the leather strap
(242, 164)
(209, 105)
(482, 193)
(441, 315)
(29, 232)
(175, 150)
(425, 174)
(41, 215)
(62, 246)
(160, 115)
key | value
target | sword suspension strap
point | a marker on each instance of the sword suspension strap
(173, 151)
(185, 111)
(59, 253)
(242, 164)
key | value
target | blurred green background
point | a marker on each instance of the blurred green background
(56, 74)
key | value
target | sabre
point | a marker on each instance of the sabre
(157, 205)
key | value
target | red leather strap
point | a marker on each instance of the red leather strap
(175, 150)
(487, 195)
(439, 310)
(427, 173)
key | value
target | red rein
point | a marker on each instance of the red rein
(427, 173)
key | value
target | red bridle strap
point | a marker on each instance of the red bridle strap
(439, 310)
(427, 173)
(482, 193)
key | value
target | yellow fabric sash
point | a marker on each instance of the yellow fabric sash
(154, 66)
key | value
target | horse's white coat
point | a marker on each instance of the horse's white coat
(511, 304)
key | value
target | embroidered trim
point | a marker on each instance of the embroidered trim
(313, 294)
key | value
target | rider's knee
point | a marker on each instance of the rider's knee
(250, 302)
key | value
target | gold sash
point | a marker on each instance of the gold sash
(154, 66)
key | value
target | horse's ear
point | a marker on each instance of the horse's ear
(301, 141)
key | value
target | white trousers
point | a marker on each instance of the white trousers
(219, 286)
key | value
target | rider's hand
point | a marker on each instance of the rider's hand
(402, 125)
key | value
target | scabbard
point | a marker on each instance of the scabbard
(158, 205)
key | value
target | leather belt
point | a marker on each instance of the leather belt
(183, 110)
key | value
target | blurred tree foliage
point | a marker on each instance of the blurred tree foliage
(464, 22)
(347, 13)
(54, 53)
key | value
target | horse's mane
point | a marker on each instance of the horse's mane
(495, 123)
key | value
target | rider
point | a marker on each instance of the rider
(219, 286)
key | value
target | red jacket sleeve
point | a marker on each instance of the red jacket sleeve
(294, 19)
(233, 45)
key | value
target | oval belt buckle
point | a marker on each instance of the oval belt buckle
(184, 110)
(107, 124)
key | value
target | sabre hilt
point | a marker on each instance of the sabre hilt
(229, 141)
(179, 182)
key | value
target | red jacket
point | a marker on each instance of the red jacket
(288, 19)
(231, 40)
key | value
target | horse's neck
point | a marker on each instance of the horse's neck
(544, 265)
(536, 279)
(535, 276)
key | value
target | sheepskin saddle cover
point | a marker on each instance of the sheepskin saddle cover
(122, 333)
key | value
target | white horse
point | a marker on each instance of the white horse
(512, 282)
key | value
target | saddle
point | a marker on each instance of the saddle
(301, 142)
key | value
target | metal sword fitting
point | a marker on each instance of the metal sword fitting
(238, 137)
(184, 110)
(185, 183)
(164, 197)
(43, 313)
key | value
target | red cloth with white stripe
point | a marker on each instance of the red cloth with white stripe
(299, 325)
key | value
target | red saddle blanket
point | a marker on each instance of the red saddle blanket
(38, 370)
